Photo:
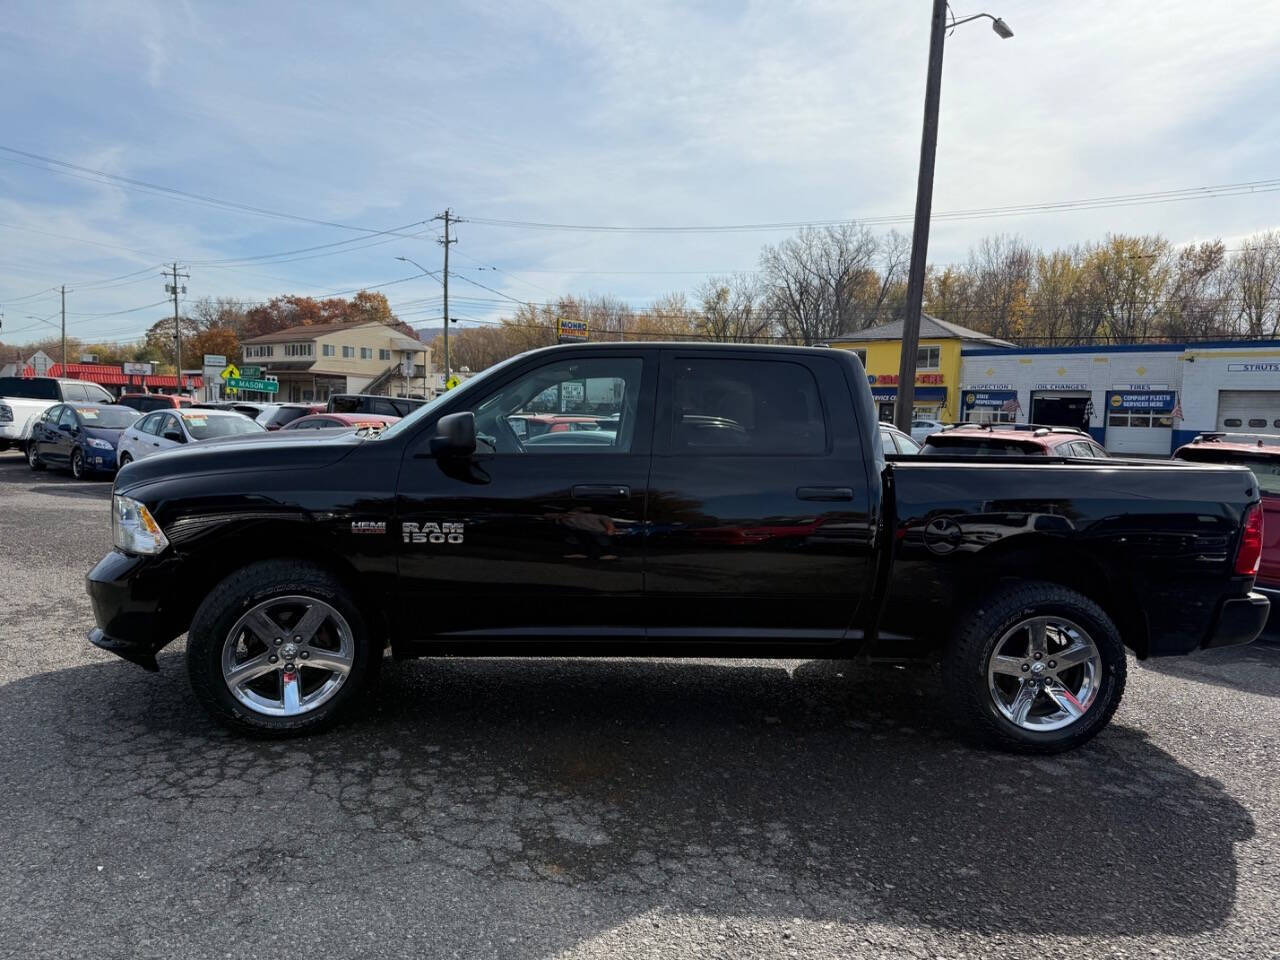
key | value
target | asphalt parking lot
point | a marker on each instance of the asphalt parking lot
(533, 809)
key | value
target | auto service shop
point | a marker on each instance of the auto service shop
(1135, 399)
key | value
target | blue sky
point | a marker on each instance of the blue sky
(379, 115)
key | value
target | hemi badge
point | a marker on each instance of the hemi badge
(368, 526)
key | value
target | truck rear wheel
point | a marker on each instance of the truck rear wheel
(1036, 668)
(280, 648)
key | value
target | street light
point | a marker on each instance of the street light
(924, 205)
(446, 324)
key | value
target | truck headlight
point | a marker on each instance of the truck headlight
(98, 444)
(6, 413)
(133, 529)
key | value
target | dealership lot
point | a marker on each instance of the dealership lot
(602, 809)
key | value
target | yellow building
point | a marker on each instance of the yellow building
(937, 364)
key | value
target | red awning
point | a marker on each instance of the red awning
(116, 377)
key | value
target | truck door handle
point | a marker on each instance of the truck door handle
(601, 491)
(824, 493)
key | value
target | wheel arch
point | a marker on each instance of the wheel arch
(1038, 557)
(217, 560)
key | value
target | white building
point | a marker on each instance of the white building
(1125, 395)
(1230, 386)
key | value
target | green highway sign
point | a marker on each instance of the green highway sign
(248, 372)
(262, 386)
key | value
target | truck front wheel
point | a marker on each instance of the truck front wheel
(280, 648)
(1036, 668)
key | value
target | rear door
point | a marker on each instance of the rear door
(538, 542)
(58, 450)
(759, 506)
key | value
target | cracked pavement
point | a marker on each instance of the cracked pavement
(614, 808)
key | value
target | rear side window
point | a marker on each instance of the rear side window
(384, 407)
(38, 388)
(95, 394)
(747, 407)
(73, 392)
(287, 415)
(150, 424)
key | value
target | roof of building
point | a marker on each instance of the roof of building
(312, 330)
(931, 328)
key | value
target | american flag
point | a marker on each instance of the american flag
(1011, 406)
(1177, 411)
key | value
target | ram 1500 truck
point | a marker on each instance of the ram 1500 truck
(730, 501)
(23, 399)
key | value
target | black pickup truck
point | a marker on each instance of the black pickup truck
(685, 500)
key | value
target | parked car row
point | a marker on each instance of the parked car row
(77, 426)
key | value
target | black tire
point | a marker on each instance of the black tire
(223, 607)
(965, 663)
(33, 458)
(77, 464)
(125, 459)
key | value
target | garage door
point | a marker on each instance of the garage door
(1140, 422)
(1249, 411)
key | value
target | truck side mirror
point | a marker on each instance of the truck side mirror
(455, 435)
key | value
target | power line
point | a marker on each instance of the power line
(977, 213)
(173, 192)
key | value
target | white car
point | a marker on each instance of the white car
(23, 400)
(920, 429)
(170, 429)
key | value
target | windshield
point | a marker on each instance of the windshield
(1265, 468)
(28, 389)
(107, 418)
(977, 447)
(417, 416)
(206, 427)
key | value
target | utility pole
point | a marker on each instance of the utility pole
(448, 218)
(938, 27)
(173, 289)
(902, 413)
(64, 331)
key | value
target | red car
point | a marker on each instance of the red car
(146, 402)
(1012, 440)
(529, 425)
(1261, 454)
(349, 421)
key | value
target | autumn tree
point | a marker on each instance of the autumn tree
(1196, 306)
(1129, 276)
(1001, 271)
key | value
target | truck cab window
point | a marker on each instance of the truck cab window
(747, 407)
(580, 406)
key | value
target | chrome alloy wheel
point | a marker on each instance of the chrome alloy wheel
(1044, 674)
(287, 656)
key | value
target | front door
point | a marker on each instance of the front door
(759, 501)
(534, 538)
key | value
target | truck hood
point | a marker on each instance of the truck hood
(280, 450)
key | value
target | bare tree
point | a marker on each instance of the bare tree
(812, 279)
(1254, 283)
(733, 309)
